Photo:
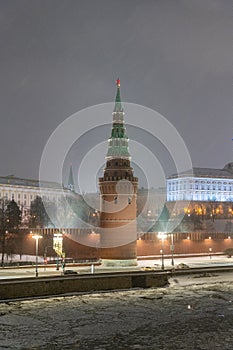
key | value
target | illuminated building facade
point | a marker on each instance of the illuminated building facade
(24, 191)
(202, 184)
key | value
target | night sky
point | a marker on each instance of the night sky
(59, 57)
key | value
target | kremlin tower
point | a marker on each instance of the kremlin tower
(118, 191)
(70, 185)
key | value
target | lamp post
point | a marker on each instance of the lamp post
(162, 236)
(210, 251)
(36, 237)
(57, 246)
(172, 249)
(162, 259)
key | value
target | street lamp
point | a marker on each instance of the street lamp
(37, 237)
(162, 236)
(57, 246)
(210, 251)
(172, 249)
(162, 259)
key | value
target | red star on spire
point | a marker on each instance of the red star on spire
(118, 82)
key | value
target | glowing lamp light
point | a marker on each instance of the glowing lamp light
(37, 237)
(162, 235)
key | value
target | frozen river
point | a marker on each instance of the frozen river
(193, 313)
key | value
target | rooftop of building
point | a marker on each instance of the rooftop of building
(225, 173)
(17, 181)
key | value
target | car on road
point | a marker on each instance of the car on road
(70, 272)
(182, 266)
(147, 268)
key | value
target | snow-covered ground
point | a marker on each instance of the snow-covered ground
(193, 313)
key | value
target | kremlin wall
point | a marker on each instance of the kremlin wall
(148, 245)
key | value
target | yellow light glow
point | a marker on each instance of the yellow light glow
(36, 236)
(162, 235)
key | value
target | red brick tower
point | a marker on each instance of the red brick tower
(118, 189)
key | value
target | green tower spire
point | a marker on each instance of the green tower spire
(70, 185)
(118, 142)
(118, 106)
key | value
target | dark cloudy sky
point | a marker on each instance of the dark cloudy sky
(57, 57)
